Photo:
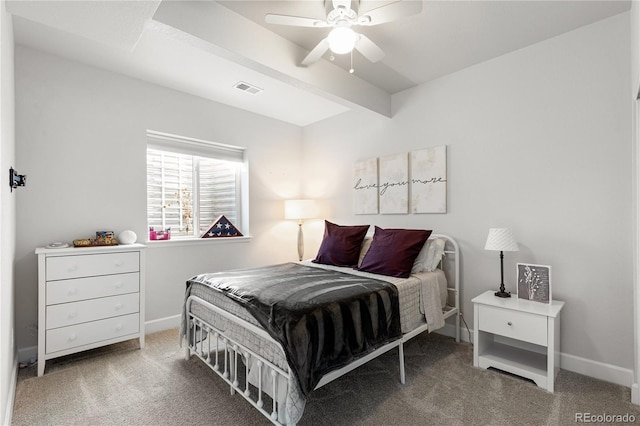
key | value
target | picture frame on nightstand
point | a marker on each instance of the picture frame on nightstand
(534, 282)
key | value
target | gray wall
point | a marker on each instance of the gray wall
(538, 140)
(81, 140)
(8, 367)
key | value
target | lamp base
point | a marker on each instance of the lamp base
(501, 292)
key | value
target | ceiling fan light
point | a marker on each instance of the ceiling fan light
(342, 40)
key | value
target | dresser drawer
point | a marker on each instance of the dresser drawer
(64, 291)
(514, 324)
(63, 338)
(89, 265)
(66, 314)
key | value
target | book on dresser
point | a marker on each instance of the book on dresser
(89, 297)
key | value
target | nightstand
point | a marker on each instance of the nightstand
(521, 337)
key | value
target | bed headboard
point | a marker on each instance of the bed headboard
(450, 264)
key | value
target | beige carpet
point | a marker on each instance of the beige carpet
(121, 385)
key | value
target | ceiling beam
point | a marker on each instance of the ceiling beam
(246, 43)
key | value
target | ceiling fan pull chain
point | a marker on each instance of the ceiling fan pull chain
(351, 70)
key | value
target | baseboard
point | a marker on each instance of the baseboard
(13, 381)
(635, 398)
(449, 330)
(27, 355)
(166, 323)
(599, 370)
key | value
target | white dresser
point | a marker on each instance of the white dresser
(521, 337)
(89, 297)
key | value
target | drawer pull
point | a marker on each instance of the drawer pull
(509, 323)
(119, 284)
(72, 268)
(72, 292)
(72, 337)
(119, 306)
(118, 263)
(119, 327)
(73, 314)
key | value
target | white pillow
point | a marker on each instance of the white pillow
(435, 255)
(418, 264)
(366, 243)
(429, 256)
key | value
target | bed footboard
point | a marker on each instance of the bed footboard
(222, 355)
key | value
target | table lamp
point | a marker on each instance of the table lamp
(501, 239)
(300, 210)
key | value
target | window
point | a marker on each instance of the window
(190, 183)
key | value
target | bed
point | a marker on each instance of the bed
(237, 340)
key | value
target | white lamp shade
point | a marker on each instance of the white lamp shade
(300, 209)
(501, 239)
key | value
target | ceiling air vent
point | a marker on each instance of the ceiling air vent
(246, 87)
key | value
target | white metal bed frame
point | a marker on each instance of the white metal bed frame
(207, 342)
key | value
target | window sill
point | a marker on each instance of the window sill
(176, 242)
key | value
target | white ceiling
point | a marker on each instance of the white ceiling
(205, 47)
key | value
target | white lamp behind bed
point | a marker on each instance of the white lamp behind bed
(501, 239)
(300, 210)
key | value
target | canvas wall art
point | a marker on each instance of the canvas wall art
(365, 188)
(429, 180)
(394, 184)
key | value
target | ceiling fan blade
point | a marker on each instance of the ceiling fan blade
(316, 53)
(369, 49)
(295, 21)
(390, 12)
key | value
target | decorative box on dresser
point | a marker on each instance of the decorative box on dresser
(518, 336)
(89, 297)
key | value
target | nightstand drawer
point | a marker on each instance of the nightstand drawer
(513, 324)
(64, 291)
(67, 314)
(90, 265)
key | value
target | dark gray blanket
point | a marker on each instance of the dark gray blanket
(324, 319)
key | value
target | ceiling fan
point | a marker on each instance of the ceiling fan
(341, 16)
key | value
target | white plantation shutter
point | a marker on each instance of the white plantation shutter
(169, 187)
(187, 192)
(220, 196)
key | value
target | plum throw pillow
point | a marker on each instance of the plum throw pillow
(341, 244)
(393, 251)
